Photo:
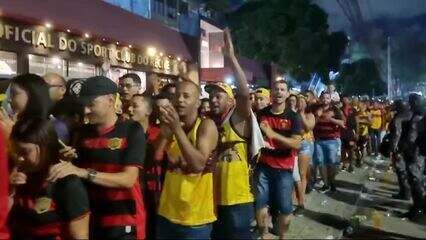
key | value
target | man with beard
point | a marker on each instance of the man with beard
(186, 209)
(233, 118)
(327, 142)
(282, 128)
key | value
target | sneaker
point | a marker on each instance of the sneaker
(350, 169)
(298, 212)
(333, 189)
(324, 189)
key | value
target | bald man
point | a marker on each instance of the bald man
(57, 86)
(186, 208)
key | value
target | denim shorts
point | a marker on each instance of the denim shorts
(296, 173)
(274, 188)
(307, 148)
(327, 152)
(233, 222)
(168, 230)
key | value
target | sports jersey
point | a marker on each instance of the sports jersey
(115, 211)
(46, 211)
(187, 198)
(287, 123)
(232, 167)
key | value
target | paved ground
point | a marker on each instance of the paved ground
(364, 194)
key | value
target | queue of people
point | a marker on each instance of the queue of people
(88, 158)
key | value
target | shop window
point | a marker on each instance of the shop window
(8, 64)
(41, 65)
(81, 70)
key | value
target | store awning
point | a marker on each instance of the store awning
(101, 19)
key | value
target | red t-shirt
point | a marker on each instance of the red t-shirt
(286, 124)
(326, 130)
(4, 191)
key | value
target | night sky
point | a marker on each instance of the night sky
(373, 9)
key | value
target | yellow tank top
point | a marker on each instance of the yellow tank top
(232, 173)
(187, 199)
(308, 136)
(363, 127)
(376, 119)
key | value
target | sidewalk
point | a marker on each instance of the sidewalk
(365, 193)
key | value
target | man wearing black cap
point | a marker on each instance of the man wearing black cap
(110, 154)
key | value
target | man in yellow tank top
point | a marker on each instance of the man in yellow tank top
(233, 118)
(376, 127)
(186, 209)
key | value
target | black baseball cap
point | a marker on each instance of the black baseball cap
(94, 87)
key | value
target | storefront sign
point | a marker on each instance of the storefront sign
(42, 37)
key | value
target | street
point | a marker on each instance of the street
(366, 194)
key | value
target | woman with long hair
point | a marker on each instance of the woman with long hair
(29, 97)
(307, 147)
(42, 209)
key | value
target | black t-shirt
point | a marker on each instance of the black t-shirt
(287, 124)
(41, 214)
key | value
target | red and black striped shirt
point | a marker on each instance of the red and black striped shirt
(286, 124)
(116, 212)
(45, 213)
(325, 129)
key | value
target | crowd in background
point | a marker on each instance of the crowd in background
(88, 158)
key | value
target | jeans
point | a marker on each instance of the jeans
(274, 187)
(168, 230)
(327, 152)
(233, 222)
(375, 140)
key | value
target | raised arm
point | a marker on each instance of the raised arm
(243, 105)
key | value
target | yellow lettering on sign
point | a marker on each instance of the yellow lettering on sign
(49, 41)
(97, 50)
(72, 45)
(89, 48)
(8, 31)
(1, 30)
(24, 36)
(41, 40)
(16, 34)
(83, 48)
(62, 43)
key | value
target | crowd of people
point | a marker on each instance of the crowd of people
(88, 158)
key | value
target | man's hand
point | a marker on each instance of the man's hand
(6, 121)
(68, 153)
(17, 178)
(170, 117)
(264, 126)
(63, 169)
(228, 49)
(328, 115)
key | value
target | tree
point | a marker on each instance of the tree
(361, 77)
(292, 33)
